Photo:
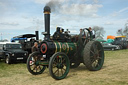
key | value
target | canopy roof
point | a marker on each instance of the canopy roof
(25, 36)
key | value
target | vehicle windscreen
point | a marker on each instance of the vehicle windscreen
(13, 46)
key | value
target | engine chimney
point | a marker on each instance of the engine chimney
(37, 35)
(47, 12)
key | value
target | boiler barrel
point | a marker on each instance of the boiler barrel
(49, 48)
(68, 48)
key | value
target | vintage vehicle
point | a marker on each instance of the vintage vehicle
(26, 40)
(62, 51)
(109, 46)
(12, 52)
(121, 41)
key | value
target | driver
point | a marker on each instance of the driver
(35, 47)
(83, 33)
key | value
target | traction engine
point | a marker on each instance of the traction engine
(63, 51)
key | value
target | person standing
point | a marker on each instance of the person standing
(90, 29)
(35, 47)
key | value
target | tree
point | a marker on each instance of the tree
(120, 32)
(126, 29)
(123, 32)
(99, 32)
(5, 40)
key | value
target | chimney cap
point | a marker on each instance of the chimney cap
(47, 9)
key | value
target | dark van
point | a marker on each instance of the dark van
(12, 52)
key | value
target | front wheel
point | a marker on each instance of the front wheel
(59, 65)
(113, 49)
(33, 63)
(120, 47)
(8, 59)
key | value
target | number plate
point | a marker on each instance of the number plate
(19, 58)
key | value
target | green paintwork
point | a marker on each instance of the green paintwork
(68, 48)
(43, 63)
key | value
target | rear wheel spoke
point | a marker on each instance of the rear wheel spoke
(99, 51)
(94, 64)
(31, 64)
(93, 61)
(54, 66)
(92, 52)
(97, 46)
(54, 62)
(34, 67)
(56, 71)
(62, 71)
(63, 60)
(34, 57)
(99, 58)
(39, 67)
(98, 64)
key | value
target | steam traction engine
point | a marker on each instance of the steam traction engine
(62, 51)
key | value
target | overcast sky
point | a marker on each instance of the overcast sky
(25, 16)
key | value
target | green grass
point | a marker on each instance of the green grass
(10, 70)
(114, 72)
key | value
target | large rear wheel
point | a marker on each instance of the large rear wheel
(93, 55)
(59, 65)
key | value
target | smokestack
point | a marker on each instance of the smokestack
(47, 12)
(37, 35)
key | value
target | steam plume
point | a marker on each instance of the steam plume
(54, 5)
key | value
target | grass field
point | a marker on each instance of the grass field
(114, 72)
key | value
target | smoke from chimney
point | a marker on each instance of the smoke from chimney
(76, 7)
(54, 5)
